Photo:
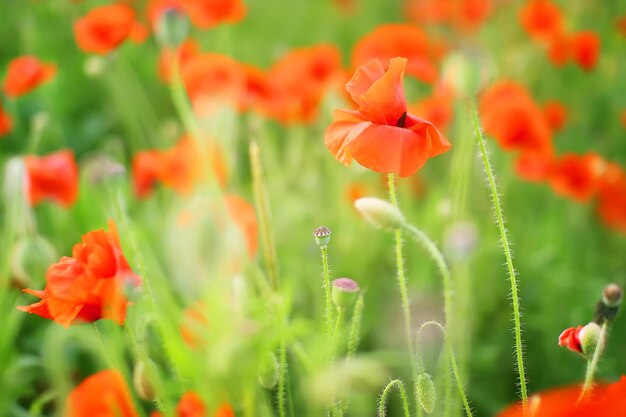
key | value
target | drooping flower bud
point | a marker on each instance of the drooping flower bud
(608, 306)
(141, 382)
(322, 236)
(172, 27)
(425, 392)
(268, 371)
(582, 339)
(379, 213)
(344, 292)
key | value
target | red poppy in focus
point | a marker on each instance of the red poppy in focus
(103, 394)
(25, 74)
(6, 124)
(603, 401)
(104, 28)
(542, 20)
(612, 198)
(380, 134)
(576, 176)
(466, 15)
(90, 285)
(555, 114)
(53, 177)
(511, 116)
(298, 81)
(392, 40)
(191, 405)
(570, 338)
(585, 48)
(534, 166)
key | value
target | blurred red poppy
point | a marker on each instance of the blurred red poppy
(620, 24)
(511, 116)
(224, 410)
(52, 177)
(191, 405)
(437, 108)
(25, 74)
(576, 176)
(103, 394)
(185, 52)
(559, 50)
(555, 114)
(88, 286)
(6, 124)
(542, 20)
(244, 216)
(465, 15)
(392, 40)
(612, 197)
(104, 28)
(381, 135)
(534, 166)
(585, 48)
(204, 14)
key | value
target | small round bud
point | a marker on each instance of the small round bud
(425, 392)
(612, 295)
(268, 371)
(344, 292)
(588, 337)
(379, 213)
(322, 236)
(94, 66)
(172, 27)
(141, 382)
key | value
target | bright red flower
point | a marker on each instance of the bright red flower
(612, 197)
(103, 394)
(392, 40)
(585, 48)
(542, 20)
(224, 410)
(90, 285)
(6, 124)
(146, 172)
(25, 74)
(511, 116)
(560, 50)
(209, 13)
(465, 15)
(380, 134)
(576, 176)
(570, 338)
(185, 53)
(555, 114)
(104, 28)
(53, 176)
(191, 405)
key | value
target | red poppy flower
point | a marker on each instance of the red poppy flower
(612, 198)
(576, 176)
(103, 394)
(185, 53)
(570, 338)
(392, 40)
(603, 401)
(25, 74)
(555, 114)
(209, 13)
(542, 20)
(465, 15)
(585, 48)
(53, 176)
(104, 28)
(560, 50)
(191, 405)
(90, 285)
(511, 116)
(224, 410)
(381, 135)
(6, 124)
(534, 166)
(146, 172)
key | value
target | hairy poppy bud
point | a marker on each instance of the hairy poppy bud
(379, 213)
(322, 236)
(344, 292)
(172, 27)
(608, 306)
(142, 383)
(425, 392)
(589, 336)
(268, 371)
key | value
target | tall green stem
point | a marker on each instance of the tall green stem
(592, 364)
(329, 311)
(506, 247)
(383, 398)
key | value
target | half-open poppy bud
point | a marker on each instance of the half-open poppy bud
(582, 339)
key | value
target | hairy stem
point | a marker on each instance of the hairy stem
(592, 364)
(327, 298)
(383, 398)
(506, 247)
(282, 358)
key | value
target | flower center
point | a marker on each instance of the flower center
(401, 121)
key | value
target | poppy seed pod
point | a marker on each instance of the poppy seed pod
(379, 213)
(172, 27)
(322, 236)
(344, 292)
(268, 371)
(425, 392)
(608, 307)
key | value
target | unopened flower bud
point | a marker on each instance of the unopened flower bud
(322, 236)
(425, 392)
(94, 66)
(608, 306)
(172, 27)
(588, 337)
(268, 371)
(344, 292)
(141, 382)
(379, 213)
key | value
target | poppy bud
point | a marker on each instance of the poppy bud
(344, 292)
(141, 382)
(588, 337)
(379, 213)
(172, 27)
(268, 371)
(322, 236)
(94, 66)
(30, 259)
(608, 306)
(425, 392)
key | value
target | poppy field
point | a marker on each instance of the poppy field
(219, 208)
